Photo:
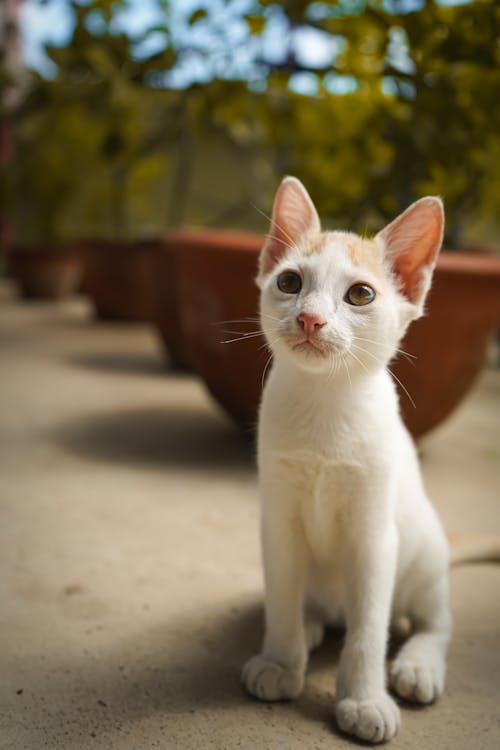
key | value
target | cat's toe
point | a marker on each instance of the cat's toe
(417, 683)
(269, 681)
(375, 720)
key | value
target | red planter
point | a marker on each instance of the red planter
(450, 342)
(205, 279)
(212, 282)
(120, 278)
(45, 272)
(168, 298)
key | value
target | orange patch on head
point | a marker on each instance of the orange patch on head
(365, 254)
(313, 243)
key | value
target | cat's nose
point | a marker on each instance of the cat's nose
(310, 323)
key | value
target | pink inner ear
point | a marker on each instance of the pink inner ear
(294, 214)
(412, 243)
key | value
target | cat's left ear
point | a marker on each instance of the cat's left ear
(412, 243)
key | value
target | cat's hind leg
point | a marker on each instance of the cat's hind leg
(418, 671)
(314, 630)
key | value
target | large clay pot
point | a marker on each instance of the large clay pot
(215, 275)
(45, 271)
(450, 342)
(120, 278)
(207, 290)
(168, 296)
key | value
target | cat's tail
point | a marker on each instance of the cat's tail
(474, 548)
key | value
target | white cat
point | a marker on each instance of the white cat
(348, 533)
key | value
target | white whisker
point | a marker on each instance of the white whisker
(407, 355)
(347, 370)
(365, 368)
(236, 320)
(242, 333)
(365, 351)
(243, 337)
(412, 402)
(265, 370)
(273, 221)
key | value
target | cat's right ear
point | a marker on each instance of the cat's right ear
(294, 214)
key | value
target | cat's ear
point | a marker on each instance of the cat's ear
(294, 214)
(412, 243)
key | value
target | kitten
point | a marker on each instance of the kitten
(348, 533)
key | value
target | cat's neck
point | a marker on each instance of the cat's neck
(340, 381)
(307, 408)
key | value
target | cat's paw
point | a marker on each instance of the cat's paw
(417, 682)
(374, 720)
(269, 681)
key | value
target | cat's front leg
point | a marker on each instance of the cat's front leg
(277, 673)
(363, 706)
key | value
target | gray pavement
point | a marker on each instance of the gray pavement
(130, 588)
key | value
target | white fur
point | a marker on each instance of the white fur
(348, 533)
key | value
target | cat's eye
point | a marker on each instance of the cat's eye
(360, 294)
(289, 282)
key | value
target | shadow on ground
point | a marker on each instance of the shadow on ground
(173, 436)
(188, 668)
(123, 363)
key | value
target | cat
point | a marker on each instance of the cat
(348, 534)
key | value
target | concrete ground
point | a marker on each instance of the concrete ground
(131, 585)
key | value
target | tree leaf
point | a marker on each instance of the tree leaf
(198, 15)
(256, 24)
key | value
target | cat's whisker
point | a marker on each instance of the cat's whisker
(271, 317)
(273, 221)
(405, 354)
(365, 368)
(365, 351)
(333, 366)
(412, 402)
(243, 337)
(409, 357)
(269, 344)
(346, 366)
(241, 333)
(266, 366)
(282, 242)
(388, 368)
(255, 319)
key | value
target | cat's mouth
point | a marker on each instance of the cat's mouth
(307, 346)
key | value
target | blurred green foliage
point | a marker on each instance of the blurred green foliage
(103, 149)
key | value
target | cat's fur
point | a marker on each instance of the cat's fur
(348, 533)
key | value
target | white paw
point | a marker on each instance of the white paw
(418, 683)
(269, 681)
(375, 720)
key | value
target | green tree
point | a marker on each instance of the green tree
(424, 116)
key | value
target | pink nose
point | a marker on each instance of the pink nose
(310, 323)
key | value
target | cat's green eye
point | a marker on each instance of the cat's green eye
(360, 294)
(289, 282)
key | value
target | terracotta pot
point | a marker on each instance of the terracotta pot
(120, 278)
(216, 272)
(450, 342)
(168, 298)
(208, 278)
(45, 272)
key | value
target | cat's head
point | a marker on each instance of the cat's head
(334, 300)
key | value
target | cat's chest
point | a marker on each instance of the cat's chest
(327, 496)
